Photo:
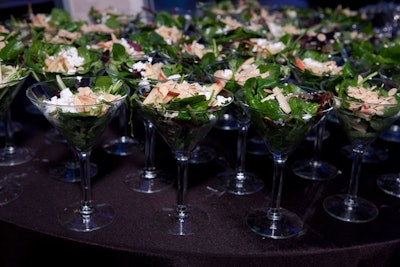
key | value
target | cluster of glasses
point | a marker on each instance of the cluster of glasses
(275, 93)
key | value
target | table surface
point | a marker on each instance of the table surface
(29, 224)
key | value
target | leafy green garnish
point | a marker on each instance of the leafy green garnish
(82, 128)
(282, 131)
(39, 51)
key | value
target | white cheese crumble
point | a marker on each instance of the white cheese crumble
(71, 55)
(83, 101)
(67, 60)
(307, 117)
(66, 100)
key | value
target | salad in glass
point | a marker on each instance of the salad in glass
(81, 113)
(180, 110)
(283, 113)
(365, 106)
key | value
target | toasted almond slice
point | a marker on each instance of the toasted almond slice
(247, 62)
(283, 104)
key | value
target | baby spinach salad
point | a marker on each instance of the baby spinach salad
(234, 72)
(187, 101)
(82, 123)
(11, 77)
(46, 60)
(183, 112)
(123, 66)
(283, 113)
(12, 50)
(365, 106)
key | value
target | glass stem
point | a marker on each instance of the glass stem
(122, 120)
(241, 149)
(319, 138)
(84, 161)
(274, 212)
(355, 174)
(149, 168)
(183, 163)
(8, 133)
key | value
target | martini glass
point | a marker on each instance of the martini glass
(362, 119)
(68, 170)
(282, 129)
(10, 188)
(322, 77)
(240, 181)
(390, 182)
(182, 124)
(11, 154)
(82, 118)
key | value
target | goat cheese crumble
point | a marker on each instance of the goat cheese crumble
(83, 101)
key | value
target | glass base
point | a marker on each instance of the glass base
(18, 156)
(72, 218)
(392, 134)
(240, 183)
(157, 181)
(10, 190)
(189, 221)
(360, 212)
(202, 154)
(69, 172)
(371, 155)
(257, 146)
(122, 146)
(314, 170)
(287, 225)
(390, 184)
(227, 122)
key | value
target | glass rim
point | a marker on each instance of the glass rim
(341, 99)
(160, 107)
(378, 85)
(31, 96)
(239, 95)
(19, 79)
